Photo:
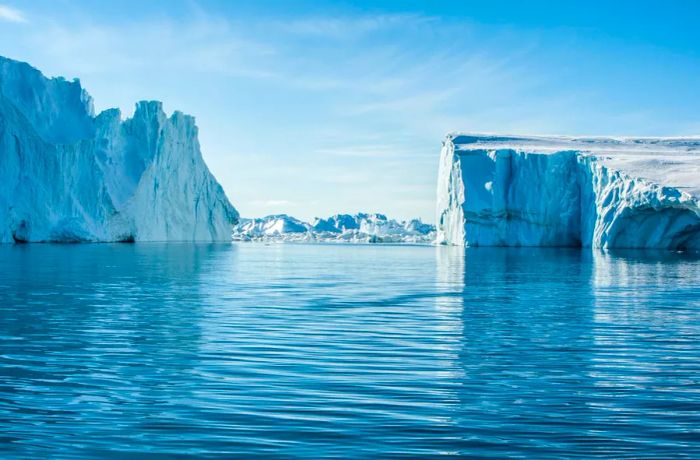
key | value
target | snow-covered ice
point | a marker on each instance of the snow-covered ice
(67, 175)
(340, 228)
(564, 191)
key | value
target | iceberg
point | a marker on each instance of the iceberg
(270, 226)
(67, 175)
(565, 191)
(340, 228)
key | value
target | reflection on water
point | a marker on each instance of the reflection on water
(569, 351)
(350, 351)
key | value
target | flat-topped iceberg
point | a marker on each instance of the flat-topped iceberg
(340, 228)
(564, 191)
(69, 176)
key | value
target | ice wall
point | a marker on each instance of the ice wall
(559, 191)
(69, 176)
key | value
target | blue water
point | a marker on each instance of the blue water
(178, 351)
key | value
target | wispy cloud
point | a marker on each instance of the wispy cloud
(7, 13)
(203, 46)
(352, 27)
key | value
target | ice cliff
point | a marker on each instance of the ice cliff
(340, 228)
(67, 175)
(564, 191)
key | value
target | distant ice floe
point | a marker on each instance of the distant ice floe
(340, 228)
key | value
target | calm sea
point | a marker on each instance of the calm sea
(317, 351)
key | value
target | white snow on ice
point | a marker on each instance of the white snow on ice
(498, 190)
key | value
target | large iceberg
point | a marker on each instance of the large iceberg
(67, 175)
(564, 191)
(340, 228)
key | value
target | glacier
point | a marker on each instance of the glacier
(68, 175)
(339, 228)
(499, 190)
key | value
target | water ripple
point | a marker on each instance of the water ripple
(180, 351)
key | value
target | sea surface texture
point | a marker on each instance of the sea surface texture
(252, 350)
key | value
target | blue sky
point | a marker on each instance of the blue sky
(313, 108)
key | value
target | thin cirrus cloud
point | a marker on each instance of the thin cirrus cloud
(204, 46)
(10, 14)
(353, 27)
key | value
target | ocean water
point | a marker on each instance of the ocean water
(317, 351)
